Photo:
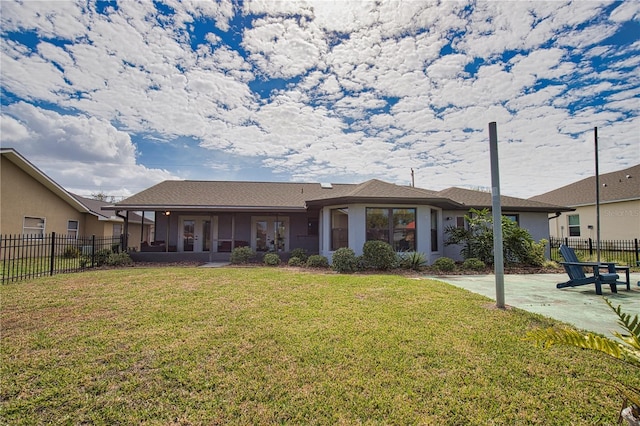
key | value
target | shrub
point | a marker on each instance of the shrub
(411, 260)
(241, 255)
(71, 252)
(102, 256)
(271, 259)
(344, 260)
(295, 261)
(474, 264)
(444, 264)
(119, 259)
(378, 255)
(300, 253)
(317, 261)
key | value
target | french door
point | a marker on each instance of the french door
(270, 233)
(196, 233)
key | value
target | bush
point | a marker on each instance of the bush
(271, 259)
(344, 261)
(71, 252)
(300, 253)
(444, 264)
(411, 260)
(474, 264)
(119, 259)
(317, 261)
(378, 255)
(102, 256)
(295, 261)
(241, 255)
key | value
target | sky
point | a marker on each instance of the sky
(114, 97)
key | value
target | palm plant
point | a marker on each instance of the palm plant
(626, 349)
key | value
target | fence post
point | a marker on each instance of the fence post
(590, 247)
(53, 253)
(637, 252)
(93, 251)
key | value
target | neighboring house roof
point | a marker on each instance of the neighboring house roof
(279, 196)
(623, 185)
(480, 200)
(21, 162)
(98, 209)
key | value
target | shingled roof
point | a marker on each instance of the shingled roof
(623, 185)
(184, 195)
(282, 196)
(480, 200)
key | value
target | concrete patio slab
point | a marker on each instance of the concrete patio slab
(578, 306)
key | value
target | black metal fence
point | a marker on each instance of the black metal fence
(28, 256)
(625, 252)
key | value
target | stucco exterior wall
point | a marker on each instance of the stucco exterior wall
(618, 221)
(21, 196)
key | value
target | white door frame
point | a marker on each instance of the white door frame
(198, 232)
(271, 220)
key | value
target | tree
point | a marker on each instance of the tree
(101, 196)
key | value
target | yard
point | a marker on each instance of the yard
(184, 345)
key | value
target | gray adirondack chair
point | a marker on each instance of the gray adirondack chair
(577, 276)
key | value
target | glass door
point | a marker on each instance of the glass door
(188, 234)
(270, 234)
(196, 235)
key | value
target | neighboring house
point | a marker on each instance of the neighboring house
(619, 207)
(32, 203)
(207, 219)
(104, 223)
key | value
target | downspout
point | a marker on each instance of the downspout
(125, 237)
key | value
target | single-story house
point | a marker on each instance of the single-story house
(619, 207)
(205, 220)
(31, 203)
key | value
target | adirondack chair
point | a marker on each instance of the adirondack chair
(577, 276)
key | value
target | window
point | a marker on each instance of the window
(434, 230)
(117, 229)
(394, 226)
(339, 228)
(72, 229)
(33, 226)
(513, 217)
(574, 225)
(460, 222)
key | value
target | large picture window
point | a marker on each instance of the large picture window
(339, 228)
(394, 226)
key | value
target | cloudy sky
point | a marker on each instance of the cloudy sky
(114, 97)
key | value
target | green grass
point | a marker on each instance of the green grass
(275, 346)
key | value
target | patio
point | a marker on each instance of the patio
(537, 293)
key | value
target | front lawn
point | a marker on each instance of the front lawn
(272, 345)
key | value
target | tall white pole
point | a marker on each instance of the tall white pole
(498, 261)
(595, 133)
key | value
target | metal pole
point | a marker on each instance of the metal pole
(498, 261)
(595, 133)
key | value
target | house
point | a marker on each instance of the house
(205, 220)
(619, 207)
(31, 203)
